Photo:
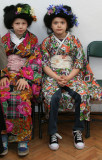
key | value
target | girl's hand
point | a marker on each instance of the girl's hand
(22, 84)
(64, 80)
(4, 81)
(60, 80)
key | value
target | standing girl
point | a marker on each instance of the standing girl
(21, 79)
(67, 78)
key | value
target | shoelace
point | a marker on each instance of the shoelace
(79, 135)
(55, 136)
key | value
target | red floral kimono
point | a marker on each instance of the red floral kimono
(24, 61)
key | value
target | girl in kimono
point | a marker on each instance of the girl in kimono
(20, 80)
(67, 77)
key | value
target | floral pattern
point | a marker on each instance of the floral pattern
(27, 72)
(84, 83)
(24, 108)
(4, 96)
(17, 104)
(9, 126)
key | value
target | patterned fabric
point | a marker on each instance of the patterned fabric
(24, 61)
(3, 58)
(60, 61)
(84, 83)
(15, 62)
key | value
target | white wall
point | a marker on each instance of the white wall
(89, 13)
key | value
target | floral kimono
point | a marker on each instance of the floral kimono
(24, 61)
(62, 56)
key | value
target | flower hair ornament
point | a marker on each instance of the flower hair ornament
(26, 10)
(58, 9)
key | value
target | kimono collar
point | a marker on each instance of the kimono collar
(59, 39)
(60, 42)
(15, 39)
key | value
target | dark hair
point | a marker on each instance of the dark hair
(69, 18)
(10, 14)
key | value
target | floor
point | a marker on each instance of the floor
(39, 147)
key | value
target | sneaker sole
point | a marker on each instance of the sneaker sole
(78, 147)
(4, 152)
(23, 153)
(52, 148)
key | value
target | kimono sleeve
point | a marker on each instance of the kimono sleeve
(45, 53)
(32, 71)
(78, 55)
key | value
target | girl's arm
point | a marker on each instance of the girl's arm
(78, 61)
(4, 81)
(50, 73)
(73, 73)
(32, 71)
(65, 79)
(46, 60)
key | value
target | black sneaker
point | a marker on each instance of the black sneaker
(78, 140)
(53, 144)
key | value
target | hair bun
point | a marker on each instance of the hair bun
(23, 11)
(68, 8)
(9, 8)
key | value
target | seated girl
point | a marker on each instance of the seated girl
(21, 79)
(67, 78)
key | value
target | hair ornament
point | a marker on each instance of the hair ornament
(26, 10)
(58, 9)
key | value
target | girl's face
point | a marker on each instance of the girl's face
(59, 26)
(20, 26)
